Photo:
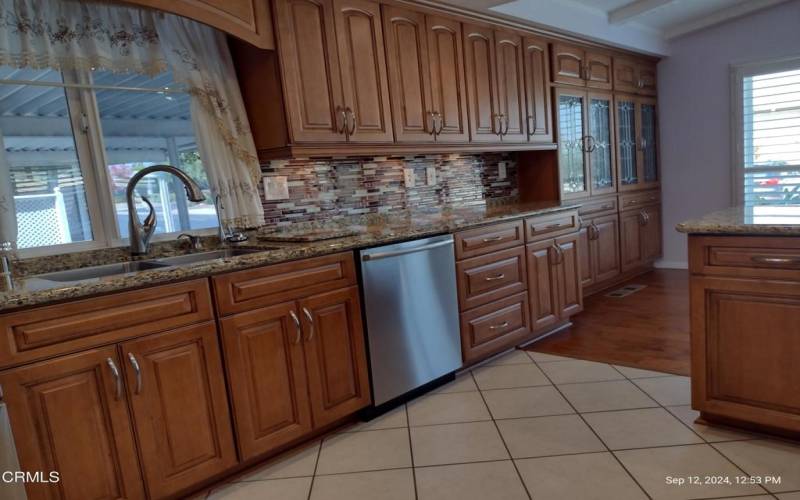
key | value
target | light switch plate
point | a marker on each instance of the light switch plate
(501, 171)
(408, 177)
(276, 187)
(430, 173)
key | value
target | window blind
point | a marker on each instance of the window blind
(771, 142)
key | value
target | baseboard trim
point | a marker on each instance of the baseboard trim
(671, 264)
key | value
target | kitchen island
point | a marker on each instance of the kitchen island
(745, 317)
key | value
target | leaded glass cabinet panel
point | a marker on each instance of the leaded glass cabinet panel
(627, 143)
(649, 139)
(571, 143)
(599, 144)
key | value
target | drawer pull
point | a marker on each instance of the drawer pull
(495, 277)
(310, 319)
(137, 370)
(553, 226)
(501, 325)
(775, 260)
(493, 238)
(117, 378)
(297, 326)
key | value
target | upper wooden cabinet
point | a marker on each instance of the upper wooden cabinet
(249, 20)
(538, 121)
(424, 58)
(575, 65)
(481, 73)
(634, 75)
(637, 142)
(509, 49)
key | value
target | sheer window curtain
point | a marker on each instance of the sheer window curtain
(85, 35)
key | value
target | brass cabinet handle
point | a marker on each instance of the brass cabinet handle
(495, 277)
(493, 238)
(438, 117)
(432, 120)
(505, 132)
(501, 325)
(298, 327)
(530, 120)
(310, 319)
(352, 117)
(762, 259)
(559, 253)
(587, 72)
(643, 218)
(117, 378)
(592, 145)
(340, 112)
(596, 231)
(495, 120)
(553, 226)
(137, 370)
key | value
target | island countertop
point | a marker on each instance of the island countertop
(742, 220)
(371, 230)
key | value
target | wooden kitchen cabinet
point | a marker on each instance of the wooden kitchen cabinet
(265, 364)
(70, 415)
(598, 248)
(480, 67)
(574, 65)
(568, 278)
(640, 233)
(512, 107)
(539, 123)
(635, 76)
(336, 359)
(424, 57)
(176, 390)
(637, 142)
(542, 290)
(362, 64)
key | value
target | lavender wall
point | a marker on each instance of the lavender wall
(694, 107)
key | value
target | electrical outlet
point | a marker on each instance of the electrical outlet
(276, 188)
(501, 171)
(430, 173)
(408, 177)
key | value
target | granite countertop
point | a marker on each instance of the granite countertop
(367, 231)
(762, 220)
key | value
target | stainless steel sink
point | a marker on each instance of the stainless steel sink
(182, 260)
(87, 273)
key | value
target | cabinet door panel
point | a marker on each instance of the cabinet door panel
(363, 68)
(448, 91)
(598, 70)
(606, 248)
(409, 81)
(586, 253)
(625, 75)
(568, 62)
(651, 234)
(600, 126)
(627, 123)
(631, 246)
(537, 75)
(542, 286)
(649, 142)
(568, 272)
(180, 407)
(511, 86)
(267, 378)
(481, 83)
(335, 355)
(572, 158)
(67, 416)
(308, 55)
(647, 78)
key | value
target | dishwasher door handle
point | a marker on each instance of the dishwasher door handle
(395, 253)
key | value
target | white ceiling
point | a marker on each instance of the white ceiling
(642, 25)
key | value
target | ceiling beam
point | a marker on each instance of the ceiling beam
(630, 11)
(719, 17)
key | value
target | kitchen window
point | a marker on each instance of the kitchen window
(767, 137)
(73, 139)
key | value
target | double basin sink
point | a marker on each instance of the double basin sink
(87, 273)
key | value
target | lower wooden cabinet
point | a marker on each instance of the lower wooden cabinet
(294, 367)
(493, 327)
(70, 415)
(554, 280)
(598, 247)
(745, 331)
(267, 377)
(176, 391)
(640, 233)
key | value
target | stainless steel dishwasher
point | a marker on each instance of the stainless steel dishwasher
(411, 307)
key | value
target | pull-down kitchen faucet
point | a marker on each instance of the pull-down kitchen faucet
(141, 232)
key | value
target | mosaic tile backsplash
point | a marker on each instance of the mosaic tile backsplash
(328, 189)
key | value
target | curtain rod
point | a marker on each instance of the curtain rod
(163, 90)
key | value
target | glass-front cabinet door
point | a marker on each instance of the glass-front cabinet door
(572, 156)
(648, 141)
(599, 144)
(627, 147)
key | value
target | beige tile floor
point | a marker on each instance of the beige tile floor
(533, 426)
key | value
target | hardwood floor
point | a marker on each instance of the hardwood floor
(648, 329)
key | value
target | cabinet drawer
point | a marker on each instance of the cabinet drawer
(598, 207)
(636, 200)
(537, 228)
(58, 329)
(493, 327)
(742, 256)
(488, 239)
(252, 288)
(490, 277)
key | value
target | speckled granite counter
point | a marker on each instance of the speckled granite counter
(774, 220)
(368, 231)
